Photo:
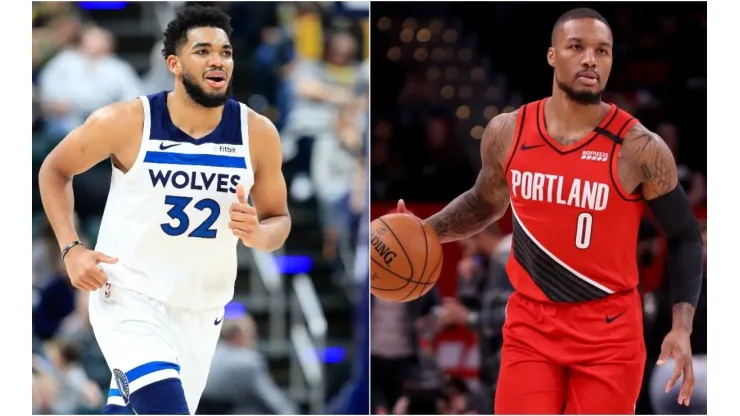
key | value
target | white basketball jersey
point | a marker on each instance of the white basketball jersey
(166, 219)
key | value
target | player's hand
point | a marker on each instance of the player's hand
(82, 268)
(677, 345)
(244, 222)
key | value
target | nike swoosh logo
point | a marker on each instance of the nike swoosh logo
(163, 147)
(610, 319)
(525, 147)
(218, 320)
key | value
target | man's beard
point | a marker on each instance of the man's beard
(580, 97)
(201, 97)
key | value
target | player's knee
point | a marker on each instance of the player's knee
(164, 397)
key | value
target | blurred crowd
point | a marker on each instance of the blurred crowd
(417, 156)
(301, 64)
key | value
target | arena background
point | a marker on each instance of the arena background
(441, 71)
(89, 54)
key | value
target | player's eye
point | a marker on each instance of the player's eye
(603, 51)
(227, 53)
(576, 47)
(202, 52)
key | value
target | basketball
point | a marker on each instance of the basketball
(406, 257)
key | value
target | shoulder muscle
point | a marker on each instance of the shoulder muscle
(650, 158)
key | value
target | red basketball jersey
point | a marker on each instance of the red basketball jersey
(574, 226)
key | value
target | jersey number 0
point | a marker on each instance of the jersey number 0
(583, 230)
(177, 212)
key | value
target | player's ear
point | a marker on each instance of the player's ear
(551, 56)
(173, 64)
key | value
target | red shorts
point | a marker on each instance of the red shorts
(585, 358)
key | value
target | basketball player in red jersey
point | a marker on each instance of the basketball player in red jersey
(578, 172)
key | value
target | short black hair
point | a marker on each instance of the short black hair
(579, 13)
(193, 16)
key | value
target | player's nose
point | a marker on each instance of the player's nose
(215, 61)
(588, 59)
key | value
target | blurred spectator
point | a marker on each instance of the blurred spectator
(459, 398)
(693, 182)
(395, 350)
(322, 87)
(308, 31)
(651, 254)
(324, 127)
(56, 27)
(273, 60)
(159, 77)
(76, 328)
(415, 105)
(417, 150)
(44, 388)
(77, 82)
(354, 397)
(55, 294)
(239, 382)
(450, 397)
(388, 177)
(439, 155)
(483, 292)
(77, 393)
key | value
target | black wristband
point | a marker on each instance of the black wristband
(69, 247)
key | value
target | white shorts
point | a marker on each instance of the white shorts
(145, 341)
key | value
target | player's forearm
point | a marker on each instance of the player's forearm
(58, 201)
(686, 273)
(466, 215)
(685, 268)
(276, 230)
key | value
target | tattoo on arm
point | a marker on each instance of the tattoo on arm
(651, 160)
(683, 316)
(488, 199)
(646, 171)
(464, 216)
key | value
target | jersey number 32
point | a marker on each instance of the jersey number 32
(177, 213)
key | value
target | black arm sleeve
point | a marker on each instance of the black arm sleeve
(685, 256)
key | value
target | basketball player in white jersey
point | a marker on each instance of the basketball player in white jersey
(184, 162)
